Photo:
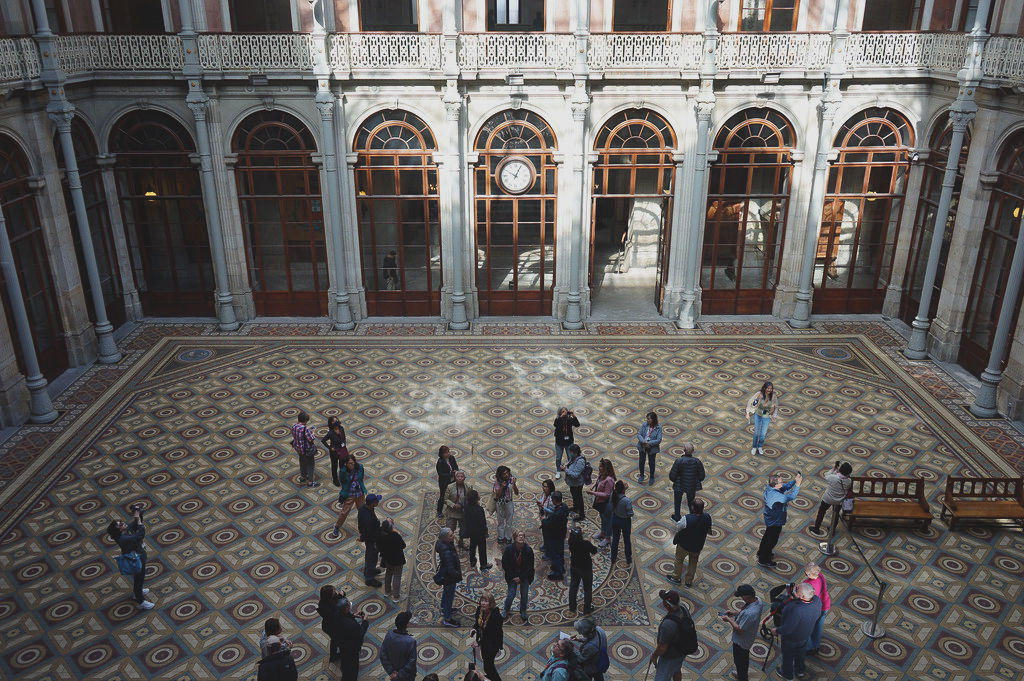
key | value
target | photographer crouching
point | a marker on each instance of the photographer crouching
(132, 561)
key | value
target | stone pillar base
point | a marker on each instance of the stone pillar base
(891, 305)
(785, 301)
(943, 343)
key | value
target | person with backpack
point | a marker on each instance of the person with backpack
(686, 475)
(677, 638)
(648, 444)
(777, 495)
(622, 522)
(475, 525)
(334, 441)
(578, 472)
(581, 570)
(691, 534)
(744, 623)
(561, 664)
(448, 575)
(564, 423)
(304, 444)
(279, 665)
(555, 525)
(591, 644)
(133, 552)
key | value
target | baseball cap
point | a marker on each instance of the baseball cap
(370, 498)
(745, 590)
(670, 596)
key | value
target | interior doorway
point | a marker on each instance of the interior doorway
(630, 214)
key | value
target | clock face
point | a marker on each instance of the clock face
(516, 175)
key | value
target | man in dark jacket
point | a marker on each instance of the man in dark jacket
(279, 665)
(517, 562)
(777, 496)
(691, 533)
(686, 475)
(563, 425)
(581, 570)
(398, 651)
(369, 534)
(351, 628)
(555, 524)
(129, 538)
(449, 573)
(798, 619)
(475, 526)
(392, 556)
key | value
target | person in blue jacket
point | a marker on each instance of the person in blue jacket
(648, 444)
(777, 495)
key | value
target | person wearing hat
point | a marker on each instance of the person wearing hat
(351, 630)
(676, 639)
(398, 650)
(369, 534)
(589, 641)
(744, 628)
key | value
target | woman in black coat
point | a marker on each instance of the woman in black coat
(445, 466)
(488, 634)
(334, 440)
(327, 608)
(474, 526)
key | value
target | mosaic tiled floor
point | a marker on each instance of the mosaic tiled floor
(196, 424)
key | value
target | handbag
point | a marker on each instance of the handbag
(130, 563)
(599, 505)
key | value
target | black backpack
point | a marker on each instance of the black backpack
(686, 633)
(278, 667)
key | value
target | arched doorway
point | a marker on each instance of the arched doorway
(165, 223)
(99, 223)
(397, 205)
(998, 241)
(25, 231)
(514, 209)
(745, 222)
(860, 221)
(924, 220)
(282, 215)
(631, 208)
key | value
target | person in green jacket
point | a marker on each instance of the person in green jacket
(352, 492)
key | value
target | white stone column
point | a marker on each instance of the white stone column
(331, 185)
(682, 188)
(40, 406)
(908, 219)
(796, 222)
(132, 304)
(577, 158)
(62, 113)
(693, 241)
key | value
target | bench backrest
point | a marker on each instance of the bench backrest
(888, 488)
(984, 488)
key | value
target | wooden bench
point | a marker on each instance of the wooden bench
(983, 499)
(889, 499)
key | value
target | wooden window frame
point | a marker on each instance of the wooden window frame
(766, 24)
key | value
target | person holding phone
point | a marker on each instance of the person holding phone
(564, 423)
(777, 495)
(129, 538)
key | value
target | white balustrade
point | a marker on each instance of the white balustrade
(645, 51)
(419, 51)
(256, 52)
(513, 51)
(892, 51)
(338, 51)
(19, 59)
(1004, 58)
(773, 51)
(945, 52)
(110, 52)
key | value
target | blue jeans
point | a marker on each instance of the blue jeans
(524, 594)
(814, 642)
(760, 430)
(559, 451)
(667, 668)
(447, 600)
(622, 526)
(793, 658)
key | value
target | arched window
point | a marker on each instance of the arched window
(99, 223)
(397, 205)
(998, 241)
(282, 214)
(631, 207)
(924, 220)
(861, 218)
(514, 208)
(25, 231)
(745, 222)
(165, 223)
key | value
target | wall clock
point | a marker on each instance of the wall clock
(515, 174)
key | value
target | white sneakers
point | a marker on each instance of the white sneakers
(558, 475)
(146, 605)
(753, 451)
(145, 592)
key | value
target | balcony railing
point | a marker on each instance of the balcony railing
(19, 59)
(773, 51)
(517, 51)
(80, 53)
(420, 55)
(645, 51)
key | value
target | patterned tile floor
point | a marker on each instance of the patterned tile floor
(195, 423)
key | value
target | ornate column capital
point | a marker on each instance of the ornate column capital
(326, 106)
(961, 114)
(197, 102)
(679, 158)
(61, 112)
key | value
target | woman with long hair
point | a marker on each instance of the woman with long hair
(648, 444)
(334, 441)
(488, 634)
(352, 492)
(839, 483)
(327, 608)
(445, 466)
(602, 492)
(504, 488)
(622, 521)
(762, 406)
(544, 504)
